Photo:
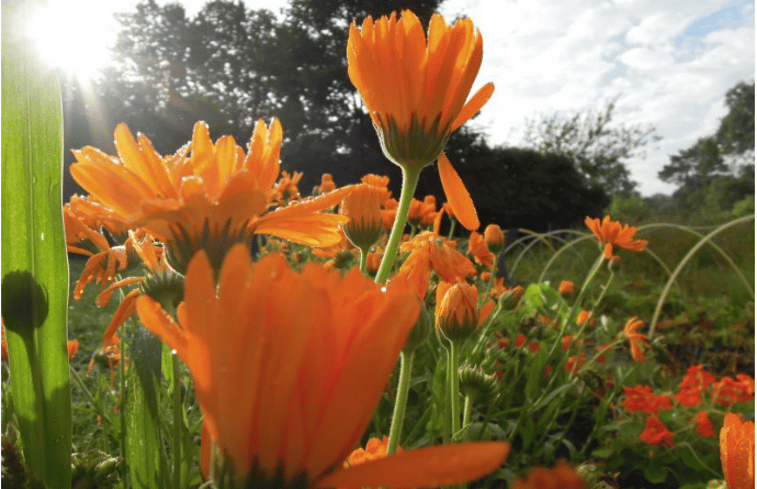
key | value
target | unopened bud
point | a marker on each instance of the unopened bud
(477, 385)
(510, 298)
(494, 238)
(456, 310)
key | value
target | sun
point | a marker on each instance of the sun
(76, 40)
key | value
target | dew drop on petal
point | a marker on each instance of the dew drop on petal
(173, 351)
(383, 289)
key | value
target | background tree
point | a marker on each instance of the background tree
(717, 173)
(598, 150)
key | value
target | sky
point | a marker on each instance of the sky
(668, 66)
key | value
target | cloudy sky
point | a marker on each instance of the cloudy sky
(668, 62)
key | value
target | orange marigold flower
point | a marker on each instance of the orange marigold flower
(72, 346)
(456, 310)
(418, 212)
(313, 356)
(429, 251)
(363, 208)
(737, 452)
(373, 262)
(374, 449)
(566, 288)
(327, 184)
(286, 188)
(613, 234)
(494, 238)
(656, 433)
(641, 398)
(415, 88)
(704, 424)
(561, 476)
(635, 339)
(215, 197)
(582, 317)
(479, 250)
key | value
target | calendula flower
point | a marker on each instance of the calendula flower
(561, 476)
(415, 88)
(635, 339)
(479, 250)
(217, 196)
(728, 391)
(611, 233)
(566, 288)
(328, 359)
(363, 208)
(656, 433)
(374, 449)
(737, 452)
(456, 310)
(494, 238)
(327, 185)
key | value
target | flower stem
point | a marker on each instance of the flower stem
(409, 182)
(178, 424)
(467, 409)
(400, 402)
(363, 260)
(454, 387)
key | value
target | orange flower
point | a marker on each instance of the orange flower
(582, 317)
(430, 251)
(327, 358)
(635, 339)
(566, 288)
(480, 251)
(612, 234)
(655, 433)
(704, 425)
(415, 88)
(642, 399)
(494, 238)
(696, 382)
(210, 200)
(561, 476)
(72, 346)
(737, 452)
(374, 449)
(456, 310)
(327, 184)
(363, 208)
(728, 391)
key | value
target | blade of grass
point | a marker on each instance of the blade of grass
(34, 260)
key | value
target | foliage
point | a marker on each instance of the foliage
(597, 149)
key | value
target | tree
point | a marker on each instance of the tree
(597, 149)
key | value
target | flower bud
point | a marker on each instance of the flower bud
(510, 298)
(474, 383)
(363, 207)
(456, 310)
(494, 238)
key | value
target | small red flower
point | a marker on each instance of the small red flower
(655, 433)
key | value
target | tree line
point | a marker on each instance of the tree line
(230, 65)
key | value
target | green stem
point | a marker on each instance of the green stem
(467, 408)
(398, 416)
(409, 182)
(177, 420)
(451, 228)
(454, 387)
(363, 260)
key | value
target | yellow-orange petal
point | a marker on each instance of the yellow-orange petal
(437, 466)
(457, 195)
(473, 105)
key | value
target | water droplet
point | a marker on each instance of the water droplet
(383, 289)
(42, 236)
(173, 352)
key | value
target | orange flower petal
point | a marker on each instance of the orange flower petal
(437, 466)
(457, 195)
(473, 105)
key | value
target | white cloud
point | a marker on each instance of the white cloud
(548, 56)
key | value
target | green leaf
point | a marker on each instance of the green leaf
(34, 260)
(145, 457)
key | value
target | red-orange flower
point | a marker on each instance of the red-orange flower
(613, 234)
(327, 359)
(635, 339)
(728, 391)
(374, 449)
(561, 476)
(656, 433)
(696, 382)
(565, 288)
(737, 452)
(479, 250)
(641, 398)
(704, 424)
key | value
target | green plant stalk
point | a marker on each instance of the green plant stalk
(484, 332)
(409, 182)
(452, 224)
(454, 387)
(363, 260)
(400, 402)
(34, 260)
(467, 411)
(178, 421)
(87, 394)
(683, 262)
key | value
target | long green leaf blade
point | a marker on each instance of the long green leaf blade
(34, 260)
